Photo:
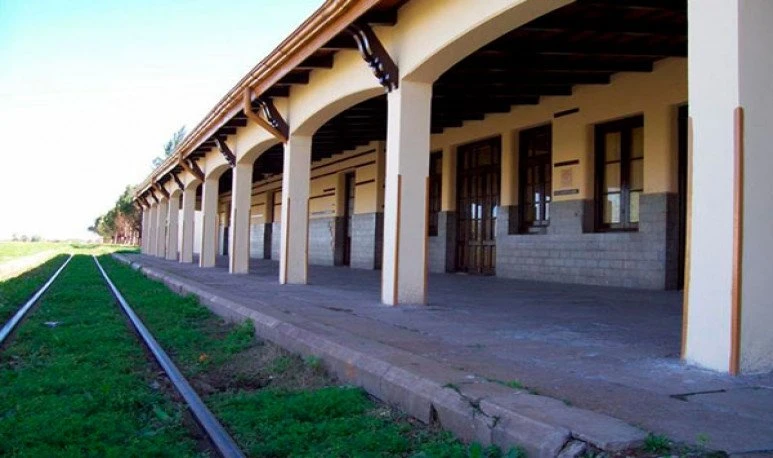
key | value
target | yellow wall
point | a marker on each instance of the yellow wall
(326, 189)
(655, 94)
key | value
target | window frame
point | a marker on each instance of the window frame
(625, 127)
(524, 226)
(434, 202)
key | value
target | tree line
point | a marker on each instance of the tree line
(122, 224)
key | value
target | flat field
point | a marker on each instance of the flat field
(14, 250)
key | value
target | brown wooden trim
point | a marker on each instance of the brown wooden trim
(306, 251)
(274, 117)
(193, 168)
(229, 156)
(396, 281)
(737, 285)
(231, 257)
(254, 117)
(286, 247)
(426, 238)
(317, 167)
(344, 170)
(625, 126)
(377, 58)
(568, 112)
(178, 181)
(327, 22)
(344, 159)
(162, 190)
(359, 183)
(329, 194)
(566, 163)
(688, 233)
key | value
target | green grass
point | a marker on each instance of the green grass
(657, 444)
(85, 386)
(15, 291)
(275, 403)
(13, 250)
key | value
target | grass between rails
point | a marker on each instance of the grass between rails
(15, 291)
(275, 403)
(84, 387)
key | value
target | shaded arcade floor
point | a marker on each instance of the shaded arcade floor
(611, 350)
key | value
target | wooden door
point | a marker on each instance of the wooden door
(478, 174)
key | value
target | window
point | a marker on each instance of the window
(619, 173)
(536, 166)
(435, 190)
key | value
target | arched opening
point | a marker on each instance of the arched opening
(264, 203)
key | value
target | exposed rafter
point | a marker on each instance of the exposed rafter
(315, 62)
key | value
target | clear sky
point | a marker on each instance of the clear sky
(91, 90)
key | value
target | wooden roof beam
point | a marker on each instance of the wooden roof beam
(386, 18)
(294, 78)
(658, 5)
(340, 42)
(315, 62)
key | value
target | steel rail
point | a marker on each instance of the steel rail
(222, 441)
(19, 315)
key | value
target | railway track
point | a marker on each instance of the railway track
(8, 327)
(218, 437)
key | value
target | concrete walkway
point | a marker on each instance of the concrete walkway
(606, 350)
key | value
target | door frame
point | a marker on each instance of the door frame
(461, 240)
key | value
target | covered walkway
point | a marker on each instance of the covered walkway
(610, 350)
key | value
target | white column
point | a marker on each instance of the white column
(239, 239)
(404, 270)
(189, 209)
(209, 223)
(161, 228)
(728, 312)
(295, 210)
(152, 219)
(171, 230)
(144, 232)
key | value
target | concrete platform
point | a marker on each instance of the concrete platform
(607, 357)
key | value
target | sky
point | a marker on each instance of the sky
(91, 90)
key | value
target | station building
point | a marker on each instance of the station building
(609, 142)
